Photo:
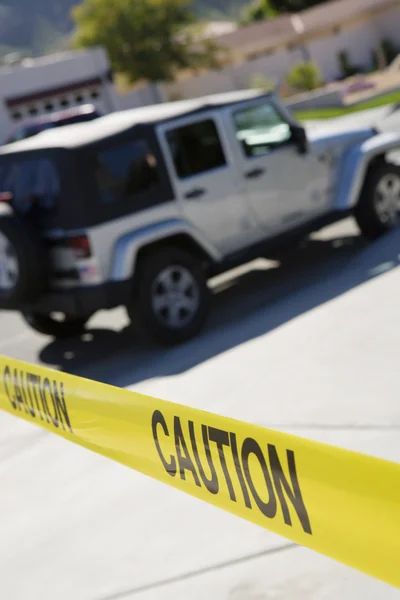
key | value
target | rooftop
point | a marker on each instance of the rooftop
(83, 134)
(284, 29)
(47, 59)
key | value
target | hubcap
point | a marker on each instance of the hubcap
(9, 269)
(175, 297)
(387, 199)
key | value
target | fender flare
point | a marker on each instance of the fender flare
(127, 247)
(354, 166)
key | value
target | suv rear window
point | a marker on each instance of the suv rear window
(196, 148)
(30, 181)
(126, 170)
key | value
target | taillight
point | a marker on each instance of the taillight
(6, 197)
(81, 246)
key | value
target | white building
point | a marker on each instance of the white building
(40, 86)
(320, 34)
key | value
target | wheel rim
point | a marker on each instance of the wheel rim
(387, 199)
(9, 268)
(175, 297)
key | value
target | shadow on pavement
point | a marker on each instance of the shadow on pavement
(245, 307)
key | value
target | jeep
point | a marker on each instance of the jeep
(141, 208)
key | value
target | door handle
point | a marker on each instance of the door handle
(196, 193)
(254, 173)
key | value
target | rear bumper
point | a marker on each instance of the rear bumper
(83, 300)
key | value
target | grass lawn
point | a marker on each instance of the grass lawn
(328, 113)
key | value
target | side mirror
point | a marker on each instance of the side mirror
(299, 137)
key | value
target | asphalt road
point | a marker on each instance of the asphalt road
(306, 344)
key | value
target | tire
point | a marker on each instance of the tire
(170, 301)
(22, 264)
(378, 209)
(48, 325)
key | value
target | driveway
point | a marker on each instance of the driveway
(310, 346)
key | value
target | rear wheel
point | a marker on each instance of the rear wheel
(379, 206)
(171, 298)
(22, 263)
(58, 325)
(9, 265)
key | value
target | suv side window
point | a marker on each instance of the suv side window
(125, 171)
(260, 128)
(196, 148)
(31, 182)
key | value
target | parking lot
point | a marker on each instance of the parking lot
(307, 344)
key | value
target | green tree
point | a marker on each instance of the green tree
(145, 39)
(292, 6)
(258, 11)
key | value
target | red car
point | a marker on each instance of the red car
(57, 119)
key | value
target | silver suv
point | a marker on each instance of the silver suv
(140, 208)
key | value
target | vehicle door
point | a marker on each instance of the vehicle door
(278, 177)
(207, 184)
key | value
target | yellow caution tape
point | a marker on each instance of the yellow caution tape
(340, 503)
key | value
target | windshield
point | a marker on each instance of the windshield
(259, 128)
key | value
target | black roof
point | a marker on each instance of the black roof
(83, 134)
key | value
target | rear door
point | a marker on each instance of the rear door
(207, 183)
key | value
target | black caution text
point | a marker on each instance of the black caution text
(39, 397)
(214, 459)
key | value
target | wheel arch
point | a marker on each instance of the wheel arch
(373, 219)
(182, 241)
(137, 244)
(357, 163)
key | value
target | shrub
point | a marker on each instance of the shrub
(304, 77)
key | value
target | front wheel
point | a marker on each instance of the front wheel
(379, 206)
(170, 300)
(56, 325)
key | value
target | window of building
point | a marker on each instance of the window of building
(125, 171)
(196, 148)
(31, 182)
(260, 128)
